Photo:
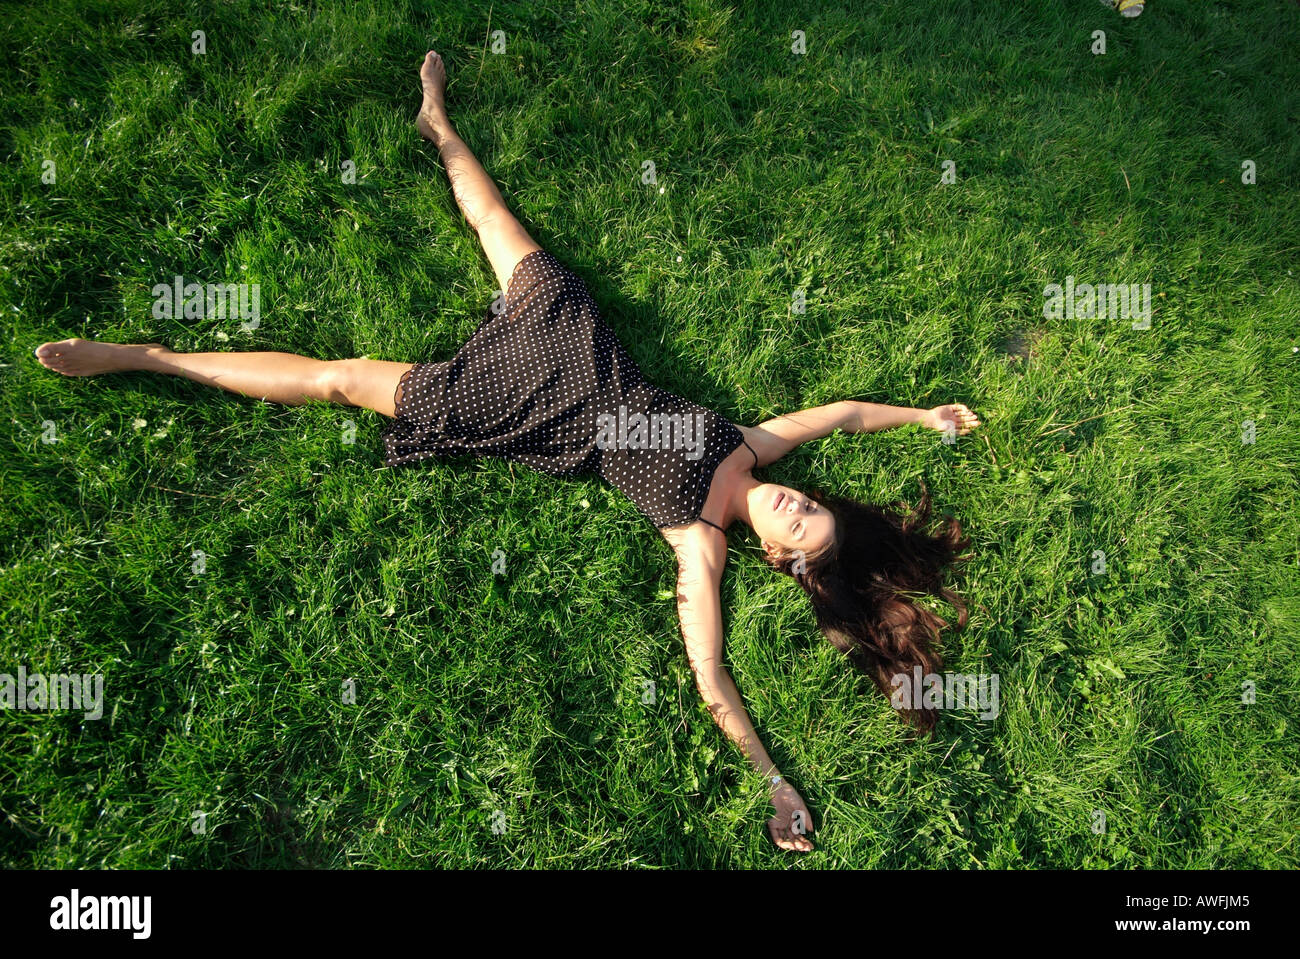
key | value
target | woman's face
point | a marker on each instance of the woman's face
(787, 520)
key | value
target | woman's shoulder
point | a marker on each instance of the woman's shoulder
(698, 545)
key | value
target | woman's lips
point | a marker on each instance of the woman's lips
(776, 503)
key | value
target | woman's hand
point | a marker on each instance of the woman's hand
(791, 821)
(951, 416)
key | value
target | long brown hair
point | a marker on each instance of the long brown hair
(860, 585)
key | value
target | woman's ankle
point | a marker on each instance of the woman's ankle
(155, 356)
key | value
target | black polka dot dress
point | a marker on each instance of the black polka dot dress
(545, 382)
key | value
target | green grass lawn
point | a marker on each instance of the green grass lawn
(517, 700)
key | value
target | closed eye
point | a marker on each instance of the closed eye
(798, 528)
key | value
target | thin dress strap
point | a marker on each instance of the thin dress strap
(715, 525)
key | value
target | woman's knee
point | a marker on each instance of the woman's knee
(505, 242)
(361, 382)
(339, 381)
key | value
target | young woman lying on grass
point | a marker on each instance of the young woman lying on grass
(545, 382)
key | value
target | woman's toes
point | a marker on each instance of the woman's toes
(433, 76)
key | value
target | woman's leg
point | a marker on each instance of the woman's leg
(277, 377)
(504, 240)
(291, 379)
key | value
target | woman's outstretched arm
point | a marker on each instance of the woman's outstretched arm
(773, 438)
(699, 609)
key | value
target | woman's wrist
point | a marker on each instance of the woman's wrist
(873, 417)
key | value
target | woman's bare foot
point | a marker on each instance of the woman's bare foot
(77, 357)
(432, 118)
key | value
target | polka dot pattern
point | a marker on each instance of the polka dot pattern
(530, 385)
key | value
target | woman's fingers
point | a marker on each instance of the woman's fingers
(787, 838)
(784, 833)
(963, 418)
